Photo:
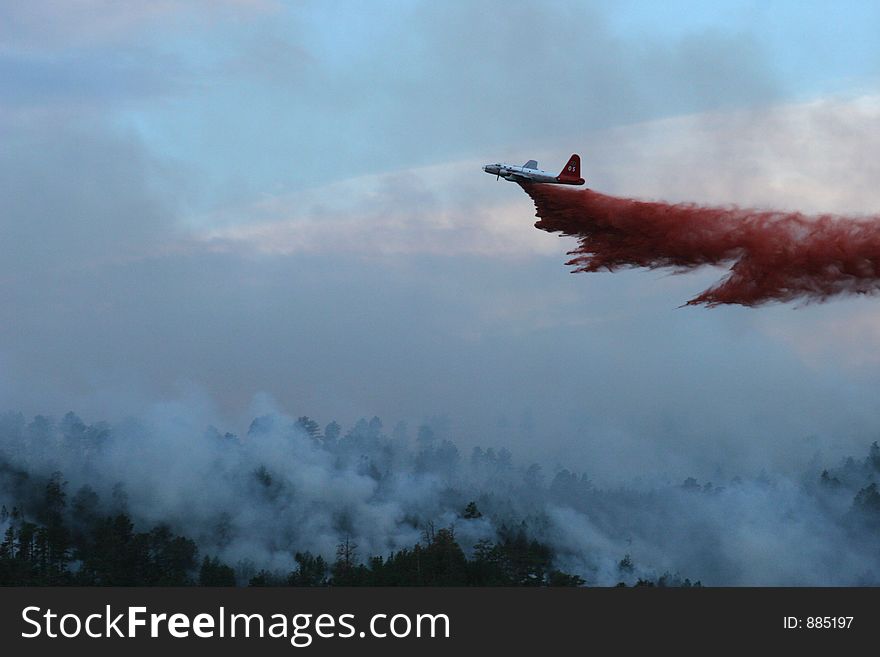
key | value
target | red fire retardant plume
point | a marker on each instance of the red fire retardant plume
(773, 256)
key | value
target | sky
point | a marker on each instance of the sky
(252, 203)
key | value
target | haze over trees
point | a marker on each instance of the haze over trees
(294, 504)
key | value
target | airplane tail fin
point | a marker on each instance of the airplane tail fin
(571, 172)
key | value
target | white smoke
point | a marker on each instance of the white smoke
(256, 499)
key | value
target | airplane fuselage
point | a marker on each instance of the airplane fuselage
(512, 173)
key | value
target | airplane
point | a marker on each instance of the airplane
(530, 173)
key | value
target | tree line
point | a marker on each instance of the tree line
(72, 544)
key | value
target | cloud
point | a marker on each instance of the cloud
(436, 210)
(87, 81)
(814, 157)
(312, 94)
(811, 156)
(517, 69)
(835, 337)
(53, 25)
(76, 196)
(108, 56)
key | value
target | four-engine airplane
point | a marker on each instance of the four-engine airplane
(530, 173)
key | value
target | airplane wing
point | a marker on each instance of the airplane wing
(531, 164)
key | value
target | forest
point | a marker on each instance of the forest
(83, 548)
(162, 502)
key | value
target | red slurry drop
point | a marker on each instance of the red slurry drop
(773, 256)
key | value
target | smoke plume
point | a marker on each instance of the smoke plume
(286, 486)
(773, 256)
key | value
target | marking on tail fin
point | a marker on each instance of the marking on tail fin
(573, 168)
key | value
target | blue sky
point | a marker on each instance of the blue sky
(233, 200)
